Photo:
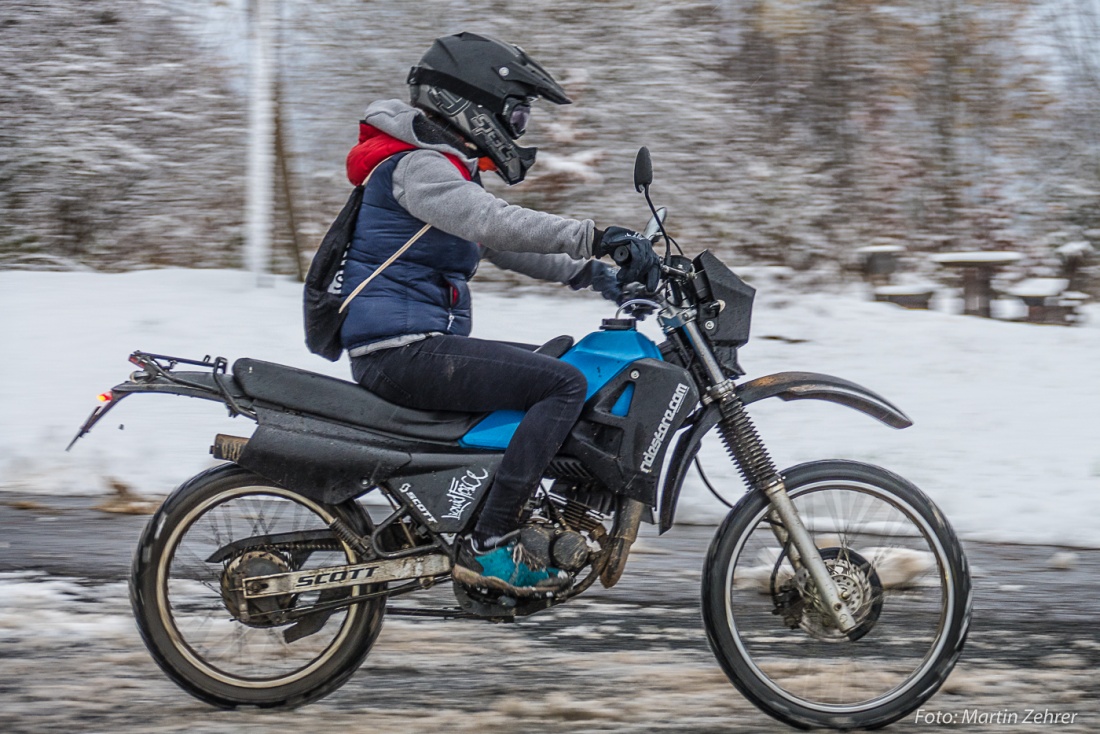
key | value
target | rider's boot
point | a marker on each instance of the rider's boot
(507, 566)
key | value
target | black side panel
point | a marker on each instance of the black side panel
(445, 490)
(625, 453)
(332, 463)
(324, 461)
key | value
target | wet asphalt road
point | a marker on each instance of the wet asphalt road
(632, 658)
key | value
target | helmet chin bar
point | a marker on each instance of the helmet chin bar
(511, 160)
(482, 128)
(518, 161)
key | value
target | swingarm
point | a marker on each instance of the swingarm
(373, 572)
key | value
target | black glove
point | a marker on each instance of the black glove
(606, 240)
(638, 263)
(599, 277)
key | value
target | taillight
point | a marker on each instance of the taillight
(105, 397)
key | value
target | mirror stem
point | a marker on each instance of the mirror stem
(661, 224)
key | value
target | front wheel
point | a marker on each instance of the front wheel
(898, 566)
(220, 527)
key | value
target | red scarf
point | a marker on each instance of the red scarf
(376, 146)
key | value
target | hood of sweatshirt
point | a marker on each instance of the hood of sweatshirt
(392, 126)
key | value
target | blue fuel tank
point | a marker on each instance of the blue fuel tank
(599, 356)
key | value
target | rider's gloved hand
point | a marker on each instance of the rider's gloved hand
(600, 277)
(606, 240)
(638, 263)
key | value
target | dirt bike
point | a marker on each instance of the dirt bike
(834, 593)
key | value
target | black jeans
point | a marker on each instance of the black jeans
(474, 376)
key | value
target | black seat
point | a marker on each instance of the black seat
(340, 400)
(557, 346)
(348, 402)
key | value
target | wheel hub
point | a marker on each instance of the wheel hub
(859, 587)
(262, 611)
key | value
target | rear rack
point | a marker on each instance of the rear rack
(152, 369)
(156, 374)
(141, 359)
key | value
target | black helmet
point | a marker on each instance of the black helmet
(483, 88)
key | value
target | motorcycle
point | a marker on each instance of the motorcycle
(263, 581)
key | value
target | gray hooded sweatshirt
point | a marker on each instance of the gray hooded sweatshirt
(431, 188)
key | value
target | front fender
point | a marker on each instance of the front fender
(815, 386)
(785, 386)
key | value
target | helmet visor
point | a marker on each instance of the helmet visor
(516, 117)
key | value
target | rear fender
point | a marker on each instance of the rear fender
(204, 385)
(785, 386)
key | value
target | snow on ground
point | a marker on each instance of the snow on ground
(1006, 437)
(48, 611)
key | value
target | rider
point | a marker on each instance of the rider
(407, 332)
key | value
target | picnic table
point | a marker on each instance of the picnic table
(1074, 255)
(879, 262)
(1048, 300)
(907, 295)
(977, 272)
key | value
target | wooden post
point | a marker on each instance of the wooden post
(977, 290)
(261, 145)
(288, 190)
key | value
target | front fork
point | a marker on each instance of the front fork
(759, 472)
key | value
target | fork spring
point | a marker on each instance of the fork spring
(744, 445)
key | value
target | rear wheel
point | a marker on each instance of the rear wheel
(195, 620)
(895, 561)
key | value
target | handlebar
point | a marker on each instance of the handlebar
(621, 255)
(653, 232)
(650, 305)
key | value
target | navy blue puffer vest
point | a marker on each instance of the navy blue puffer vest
(422, 291)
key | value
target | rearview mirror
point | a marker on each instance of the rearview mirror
(643, 170)
(655, 223)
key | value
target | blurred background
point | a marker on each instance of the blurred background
(787, 132)
(833, 152)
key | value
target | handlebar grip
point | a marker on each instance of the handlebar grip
(621, 254)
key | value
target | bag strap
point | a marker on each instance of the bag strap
(394, 256)
(384, 265)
